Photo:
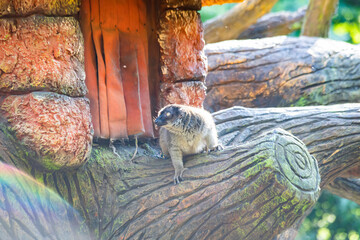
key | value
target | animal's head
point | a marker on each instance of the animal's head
(168, 115)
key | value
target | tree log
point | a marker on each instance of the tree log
(231, 24)
(250, 191)
(275, 24)
(318, 18)
(346, 188)
(281, 71)
(132, 200)
(331, 133)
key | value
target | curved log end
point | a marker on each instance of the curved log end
(251, 191)
(53, 131)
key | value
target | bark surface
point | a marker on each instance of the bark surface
(331, 133)
(241, 185)
(346, 188)
(252, 191)
(281, 71)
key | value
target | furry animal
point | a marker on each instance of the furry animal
(185, 130)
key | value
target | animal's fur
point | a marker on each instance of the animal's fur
(185, 130)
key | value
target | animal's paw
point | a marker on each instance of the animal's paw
(178, 177)
(178, 180)
(217, 148)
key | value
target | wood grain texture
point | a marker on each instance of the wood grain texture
(230, 24)
(116, 38)
(281, 71)
(331, 133)
(250, 191)
(275, 24)
(346, 188)
(134, 200)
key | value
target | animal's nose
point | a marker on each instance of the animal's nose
(157, 121)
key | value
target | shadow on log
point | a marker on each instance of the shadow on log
(281, 71)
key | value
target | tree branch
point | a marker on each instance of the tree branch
(346, 188)
(281, 71)
(231, 24)
(275, 24)
(331, 133)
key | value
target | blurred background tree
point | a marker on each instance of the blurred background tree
(333, 217)
(345, 23)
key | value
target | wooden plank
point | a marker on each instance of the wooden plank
(98, 42)
(90, 65)
(114, 83)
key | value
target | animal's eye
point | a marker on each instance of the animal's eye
(168, 114)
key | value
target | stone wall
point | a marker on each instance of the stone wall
(42, 81)
(183, 63)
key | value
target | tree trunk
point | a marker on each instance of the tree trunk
(281, 71)
(318, 18)
(275, 24)
(242, 192)
(231, 24)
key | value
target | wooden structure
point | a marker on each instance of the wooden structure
(124, 50)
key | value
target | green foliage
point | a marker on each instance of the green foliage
(346, 23)
(288, 5)
(332, 218)
(207, 13)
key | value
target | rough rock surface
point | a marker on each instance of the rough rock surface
(188, 93)
(56, 128)
(42, 53)
(185, 4)
(46, 7)
(181, 46)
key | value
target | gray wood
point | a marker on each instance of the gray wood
(249, 191)
(281, 71)
(331, 133)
